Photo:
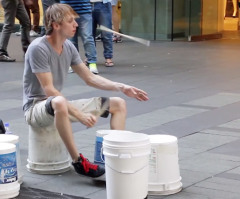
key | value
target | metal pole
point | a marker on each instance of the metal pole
(190, 20)
(155, 19)
(172, 26)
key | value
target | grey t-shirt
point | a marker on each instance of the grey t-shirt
(40, 58)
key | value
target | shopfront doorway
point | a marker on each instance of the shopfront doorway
(231, 15)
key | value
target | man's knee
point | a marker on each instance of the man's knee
(122, 104)
(118, 104)
(56, 104)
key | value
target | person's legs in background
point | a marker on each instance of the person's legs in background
(33, 6)
(36, 18)
(102, 15)
(86, 33)
(116, 21)
(45, 5)
(234, 8)
(26, 3)
(84, 29)
(106, 20)
(24, 20)
(12, 9)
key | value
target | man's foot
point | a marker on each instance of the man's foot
(70, 70)
(93, 68)
(18, 33)
(98, 38)
(117, 39)
(33, 33)
(109, 63)
(86, 168)
(6, 58)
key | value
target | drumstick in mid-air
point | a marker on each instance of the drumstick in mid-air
(137, 39)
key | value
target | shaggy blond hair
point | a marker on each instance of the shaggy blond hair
(57, 13)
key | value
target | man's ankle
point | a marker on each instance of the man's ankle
(3, 52)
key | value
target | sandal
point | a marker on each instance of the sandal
(109, 63)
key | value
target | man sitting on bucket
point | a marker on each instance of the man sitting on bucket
(46, 66)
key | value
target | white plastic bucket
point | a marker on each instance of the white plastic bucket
(98, 155)
(126, 164)
(47, 153)
(9, 186)
(164, 174)
(14, 139)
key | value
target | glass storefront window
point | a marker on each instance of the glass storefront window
(167, 19)
(172, 19)
(138, 18)
(163, 20)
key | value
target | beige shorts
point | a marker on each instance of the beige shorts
(39, 115)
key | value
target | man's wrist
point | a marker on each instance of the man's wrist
(120, 86)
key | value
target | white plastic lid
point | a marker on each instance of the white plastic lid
(118, 138)
(101, 133)
(8, 138)
(162, 139)
(7, 148)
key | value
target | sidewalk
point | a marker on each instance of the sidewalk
(194, 91)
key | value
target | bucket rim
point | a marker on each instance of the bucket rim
(7, 138)
(126, 145)
(127, 155)
(6, 148)
(126, 138)
(162, 139)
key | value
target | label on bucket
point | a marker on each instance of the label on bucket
(98, 156)
(153, 161)
(8, 168)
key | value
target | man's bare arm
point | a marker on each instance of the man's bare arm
(46, 82)
(106, 84)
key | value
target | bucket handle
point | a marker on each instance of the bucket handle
(126, 172)
(125, 156)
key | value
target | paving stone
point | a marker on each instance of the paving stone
(184, 152)
(235, 124)
(190, 177)
(218, 100)
(10, 103)
(205, 141)
(229, 185)
(30, 193)
(68, 184)
(229, 175)
(10, 85)
(97, 195)
(223, 181)
(206, 162)
(212, 193)
(222, 132)
(235, 171)
(180, 195)
(229, 149)
(69, 91)
(159, 117)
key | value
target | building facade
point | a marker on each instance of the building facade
(174, 19)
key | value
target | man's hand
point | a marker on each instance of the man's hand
(134, 92)
(88, 119)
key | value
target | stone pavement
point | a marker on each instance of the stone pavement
(194, 91)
